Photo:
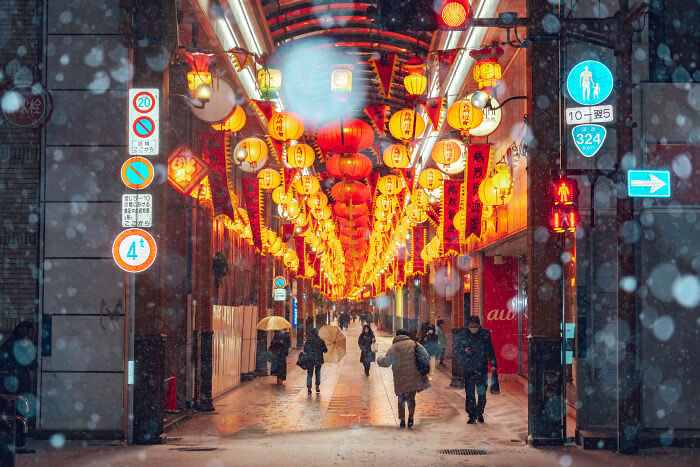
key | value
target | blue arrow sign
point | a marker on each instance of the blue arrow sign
(589, 138)
(649, 183)
(589, 82)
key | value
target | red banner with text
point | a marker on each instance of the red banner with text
(477, 166)
(253, 204)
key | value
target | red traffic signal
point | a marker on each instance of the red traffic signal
(454, 14)
(565, 192)
(565, 216)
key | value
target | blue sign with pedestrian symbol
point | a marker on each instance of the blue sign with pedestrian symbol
(649, 183)
(589, 138)
(589, 83)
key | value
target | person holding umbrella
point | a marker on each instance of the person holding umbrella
(365, 342)
(314, 348)
(279, 348)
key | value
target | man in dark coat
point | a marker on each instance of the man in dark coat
(365, 342)
(475, 351)
(314, 348)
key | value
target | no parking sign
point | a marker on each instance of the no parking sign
(143, 122)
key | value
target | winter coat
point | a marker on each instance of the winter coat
(280, 344)
(481, 349)
(442, 341)
(314, 348)
(401, 357)
(365, 343)
(430, 341)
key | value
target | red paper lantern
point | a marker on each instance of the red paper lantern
(349, 167)
(351, 136)
(349, 211)
(350, 192)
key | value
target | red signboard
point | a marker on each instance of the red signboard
(500, 312)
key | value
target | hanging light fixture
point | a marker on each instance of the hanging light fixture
(269, 81)
(487, 71)
(341, 79)
(415, 81)
(199, 78)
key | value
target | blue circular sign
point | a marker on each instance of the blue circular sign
(589, 83)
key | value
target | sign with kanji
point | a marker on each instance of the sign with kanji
(477, 165)
(137, 210)
(591, 114)
(143, 127)
(27, 106)
(185, 169)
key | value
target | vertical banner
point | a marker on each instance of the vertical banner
(287, 231)
(446, 59)
(477, 166)
(372, 181)
(401, 266)
(301, 255)
(263, 109)
(213, 152)
(418, 245)
(408, 174)
(253, 204)
(450, 208)
(377, 116)
(385, 67)
(435, 108)
(317, 278)
(288, 177)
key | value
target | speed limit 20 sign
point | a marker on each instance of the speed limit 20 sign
(143, 122)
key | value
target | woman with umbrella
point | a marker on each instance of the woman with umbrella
(365, 342)
(280, 350)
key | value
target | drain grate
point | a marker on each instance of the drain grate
(463, 452)
(194, 448)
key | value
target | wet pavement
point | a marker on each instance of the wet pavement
(353, 420)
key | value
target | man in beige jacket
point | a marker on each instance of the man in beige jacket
(401, 357)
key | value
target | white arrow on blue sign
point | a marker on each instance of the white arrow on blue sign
(589, 83)
(649, 183)
(589, 138)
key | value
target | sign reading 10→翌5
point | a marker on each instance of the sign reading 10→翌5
(589, 83)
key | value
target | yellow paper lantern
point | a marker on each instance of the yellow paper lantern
(307, 185)
(406, 125)
(382, 215)
(430, 179)
(255, 148)
(415, 84)
(488, 193)
(420, 198)
(463, 116)
(390, 184)
(487, 73)
(446, 152)
(233, 122)
(279, 196)
(396, 156)
(318, 200)
(269, 179)
(293, 208)
(285, 126)
(300, 156)
(269, 81)
(416, 214)
(386, 202)
(460, 221)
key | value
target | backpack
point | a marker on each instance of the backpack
(422, 363)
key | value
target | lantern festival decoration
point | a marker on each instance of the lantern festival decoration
(285, 126)
(300, 156)
(269, 179)
(269, 82)
(350, 192)
(349, 167)
(318, 200)
(390, 185)
(350, 135)
(487, 71)
(233, 123)
(250, 154)
(420, 198)
(416, 214)
(446, 152)
(430, 179)
(396, 156)
(307, 185)
(463, 116)
(415, 81)
(405, 125)
(199, 71)
(279, 196)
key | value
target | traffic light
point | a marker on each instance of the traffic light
(454, 14)
(564, 195)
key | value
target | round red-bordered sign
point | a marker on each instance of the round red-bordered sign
(137, 173)
(134, 250)
(143, 98)
(144, 127)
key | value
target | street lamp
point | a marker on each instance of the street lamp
(481, 100)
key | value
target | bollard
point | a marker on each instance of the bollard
(171, 394)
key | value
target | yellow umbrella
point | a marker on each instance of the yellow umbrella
(273, 323)
(335, 341)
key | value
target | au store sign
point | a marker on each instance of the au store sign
(589, 138)
(590, 82)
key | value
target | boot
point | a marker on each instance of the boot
(318, 388)
(309, 388)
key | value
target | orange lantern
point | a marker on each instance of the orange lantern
(269, 179)
(285, 126)
(350, 192)
(255, 150)
(446, 152)
(350, 211)
(349, 167)
(405, 125)
(390, 185)
(233, 122)
(430, 179)
(351, 135)
(416, 214)
(279, 196)
(463, 116)
(487, 71)
(318, 200)
(420, 198)
(396, 156)
(307, 185)
(199, 74)
(300, 156)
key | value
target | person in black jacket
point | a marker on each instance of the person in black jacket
(475, 350)
(365, 342)
(279, 347)
(314, 348)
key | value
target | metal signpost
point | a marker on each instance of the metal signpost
(143, 122)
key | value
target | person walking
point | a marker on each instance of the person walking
(441, 340)
(365, 341)
(429, 340)
(401, 357)
(314, 348)
(475, 351)
(279, 348)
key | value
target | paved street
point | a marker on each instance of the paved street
(352, 421)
